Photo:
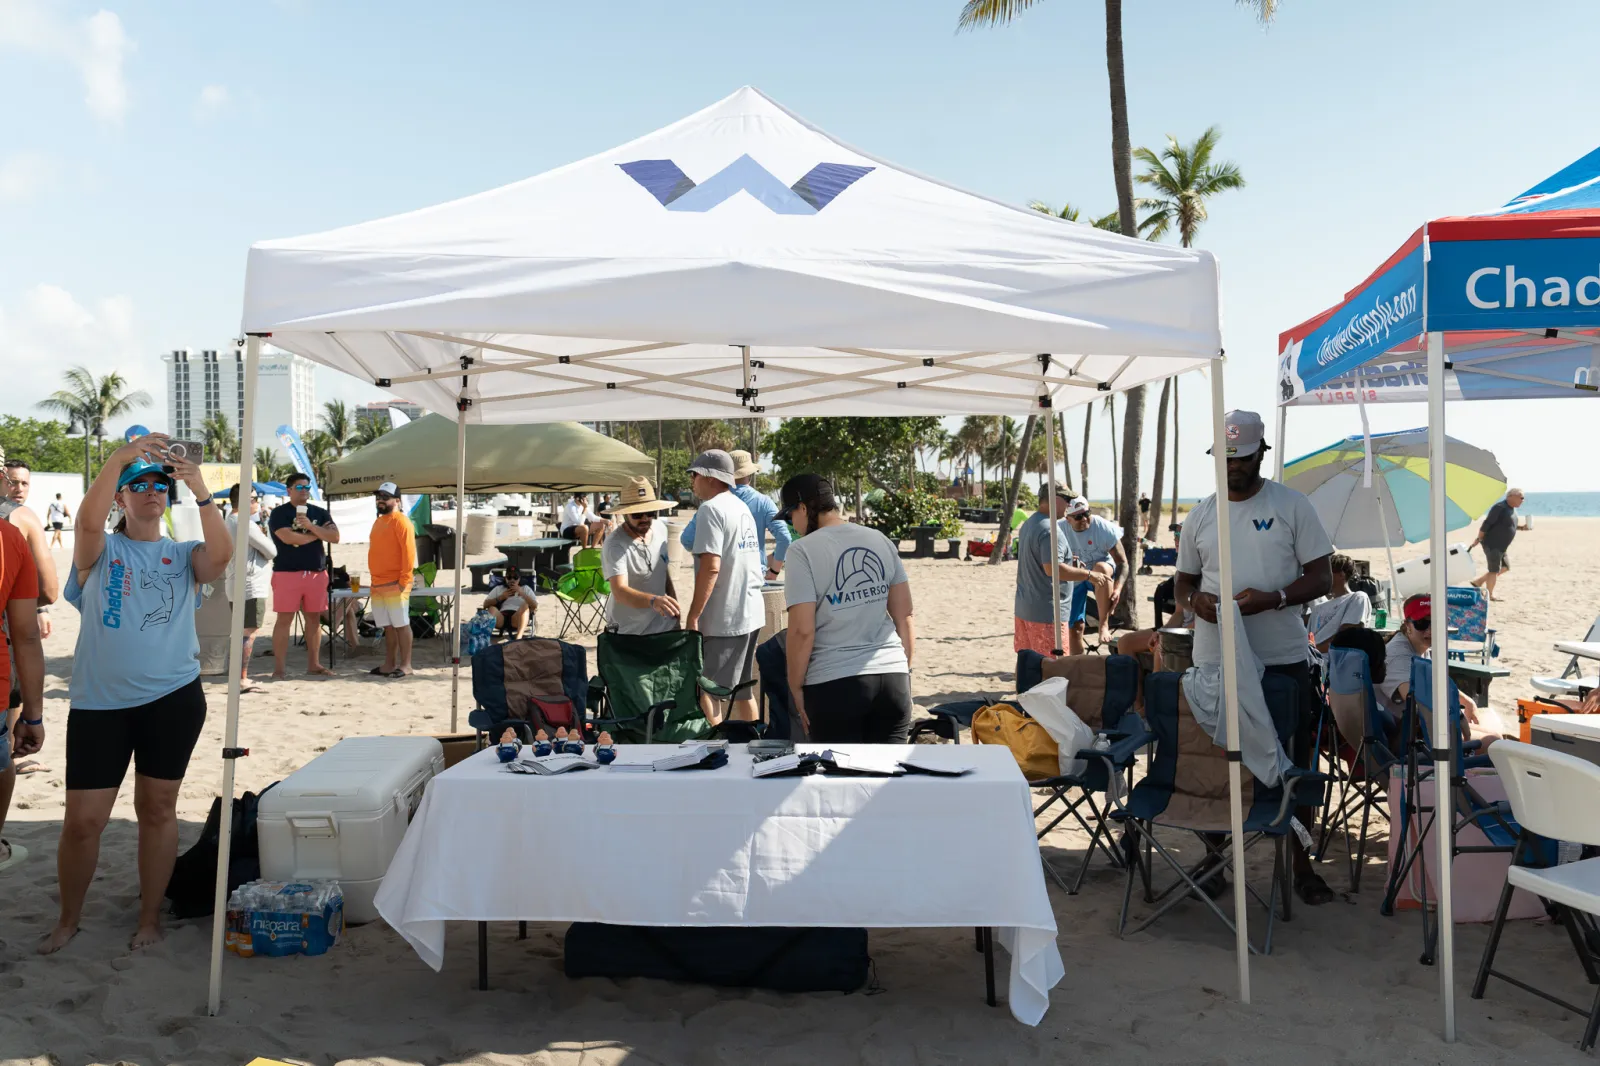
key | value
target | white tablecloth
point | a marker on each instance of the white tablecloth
(719, 847)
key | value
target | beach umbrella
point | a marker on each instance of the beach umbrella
(1376, 495)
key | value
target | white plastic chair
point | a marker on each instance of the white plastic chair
(1569, 681)
(1553, 795)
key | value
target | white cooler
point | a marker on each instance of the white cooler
(1575, 734)
(344, 813)
(1415, 575)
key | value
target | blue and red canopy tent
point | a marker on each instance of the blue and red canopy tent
(1503, 305)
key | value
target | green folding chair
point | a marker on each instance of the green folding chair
(648, 690)
(582, 593)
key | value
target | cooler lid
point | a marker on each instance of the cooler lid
(1573, 725)
(358, 774)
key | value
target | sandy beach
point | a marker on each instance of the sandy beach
(1343, 984)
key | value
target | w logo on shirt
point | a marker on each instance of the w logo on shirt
(1261, 524)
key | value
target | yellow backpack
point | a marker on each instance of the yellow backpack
(1034, 749)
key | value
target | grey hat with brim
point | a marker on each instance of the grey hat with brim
(1246, 435)
(715, 463)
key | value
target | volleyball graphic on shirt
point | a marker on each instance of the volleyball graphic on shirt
(858, 576)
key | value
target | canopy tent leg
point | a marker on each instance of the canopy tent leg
(462, 403)
(1283, 428)
(1055, 533)
(236, 664)
(1443, 742)
(1230, 677)
(1177, 379)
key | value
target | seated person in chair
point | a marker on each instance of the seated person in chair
(634, 560)
(580, 523)
(514, 603)
(1096, 546)
(1414, 641)
(1342, 608)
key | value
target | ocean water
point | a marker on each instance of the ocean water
(1561, 504)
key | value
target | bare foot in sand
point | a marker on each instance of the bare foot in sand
(144, 936)
(57, 939)
(277, 675)
(321, 671)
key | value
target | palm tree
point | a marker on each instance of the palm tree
(1116, 483)
(321, 451)
(221, 443)
(369, 429)
(1003, 445)
(1083, 456)
(339, 428)
(1002, 12)
(91, 402)
(1110, 223)
(269, 467)
(1184, 177)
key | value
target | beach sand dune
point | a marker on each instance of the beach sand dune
(1342, 985)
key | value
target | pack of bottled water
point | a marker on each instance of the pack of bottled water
(276, 918)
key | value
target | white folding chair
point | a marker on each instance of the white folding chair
(1570, 680)
(1555, 796)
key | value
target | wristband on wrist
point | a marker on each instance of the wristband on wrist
(202, 503)
(31, 721)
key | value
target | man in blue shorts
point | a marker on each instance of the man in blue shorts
(1096, 546)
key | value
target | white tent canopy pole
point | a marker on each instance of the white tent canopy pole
(1444, 744)
(1230, 678)
(236, 663)
(462, 403)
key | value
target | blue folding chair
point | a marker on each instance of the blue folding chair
(1363, 781)
(1185, 788)
(1421, 753)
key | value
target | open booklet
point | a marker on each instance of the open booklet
(549, 764)
(692, 755)
(857, 763)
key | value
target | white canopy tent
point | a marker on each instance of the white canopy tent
(737, 263)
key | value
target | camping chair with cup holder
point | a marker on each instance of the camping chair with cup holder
(647, 690)
(1186, 788)
(1361, 776)
(582, 593)
(529, 684)
(1104, 692)
(1553, 796)
(1419, 817)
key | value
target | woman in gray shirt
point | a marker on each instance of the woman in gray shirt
(850, 637)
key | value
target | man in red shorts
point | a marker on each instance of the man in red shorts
(300, 572)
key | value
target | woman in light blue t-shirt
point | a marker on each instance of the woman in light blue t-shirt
(135, 689)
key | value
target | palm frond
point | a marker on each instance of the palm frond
(990, 12)
(1265, 10)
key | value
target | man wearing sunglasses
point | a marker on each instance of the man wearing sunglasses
(634, 560)
(299, 573)
(1095, 545)
(1414, 641)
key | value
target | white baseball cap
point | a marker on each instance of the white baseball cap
(389, 488)
(1077, 505)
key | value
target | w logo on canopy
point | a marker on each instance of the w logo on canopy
(662, 179)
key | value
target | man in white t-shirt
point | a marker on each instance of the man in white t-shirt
(1095, 546)
(514, 604)
(727, 606)
(1280, 561)
(634, 560)
(580, 523)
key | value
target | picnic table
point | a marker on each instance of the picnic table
(481, 570)
(541, 555)
(1582, 649)
(924, 536)
(1473, 679)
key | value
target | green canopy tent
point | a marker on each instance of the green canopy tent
(541, 457)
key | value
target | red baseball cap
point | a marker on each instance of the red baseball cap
(1418, 607)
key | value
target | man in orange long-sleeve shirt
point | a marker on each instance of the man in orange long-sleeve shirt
(391, 559)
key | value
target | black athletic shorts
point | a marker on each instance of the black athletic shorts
(868, 709)
(158, 736)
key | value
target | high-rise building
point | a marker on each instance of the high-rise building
(381, 408)
(210, 381)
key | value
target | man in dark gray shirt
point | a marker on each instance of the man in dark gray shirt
(1496, 533)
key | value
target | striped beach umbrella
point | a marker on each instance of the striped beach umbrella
(1358, 511)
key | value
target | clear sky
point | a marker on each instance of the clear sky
(145, 145)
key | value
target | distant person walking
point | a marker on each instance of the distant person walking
(58, 516)
(260, 550)
(1497, 531)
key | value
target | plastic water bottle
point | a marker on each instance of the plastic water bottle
(1102, 742)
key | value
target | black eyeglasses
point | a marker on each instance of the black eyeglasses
(1421, 624)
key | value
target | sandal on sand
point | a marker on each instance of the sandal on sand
(1313, 890)
(32, 766)
(251, 686)
(15, 854)
(378, 671)
(396, 673)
